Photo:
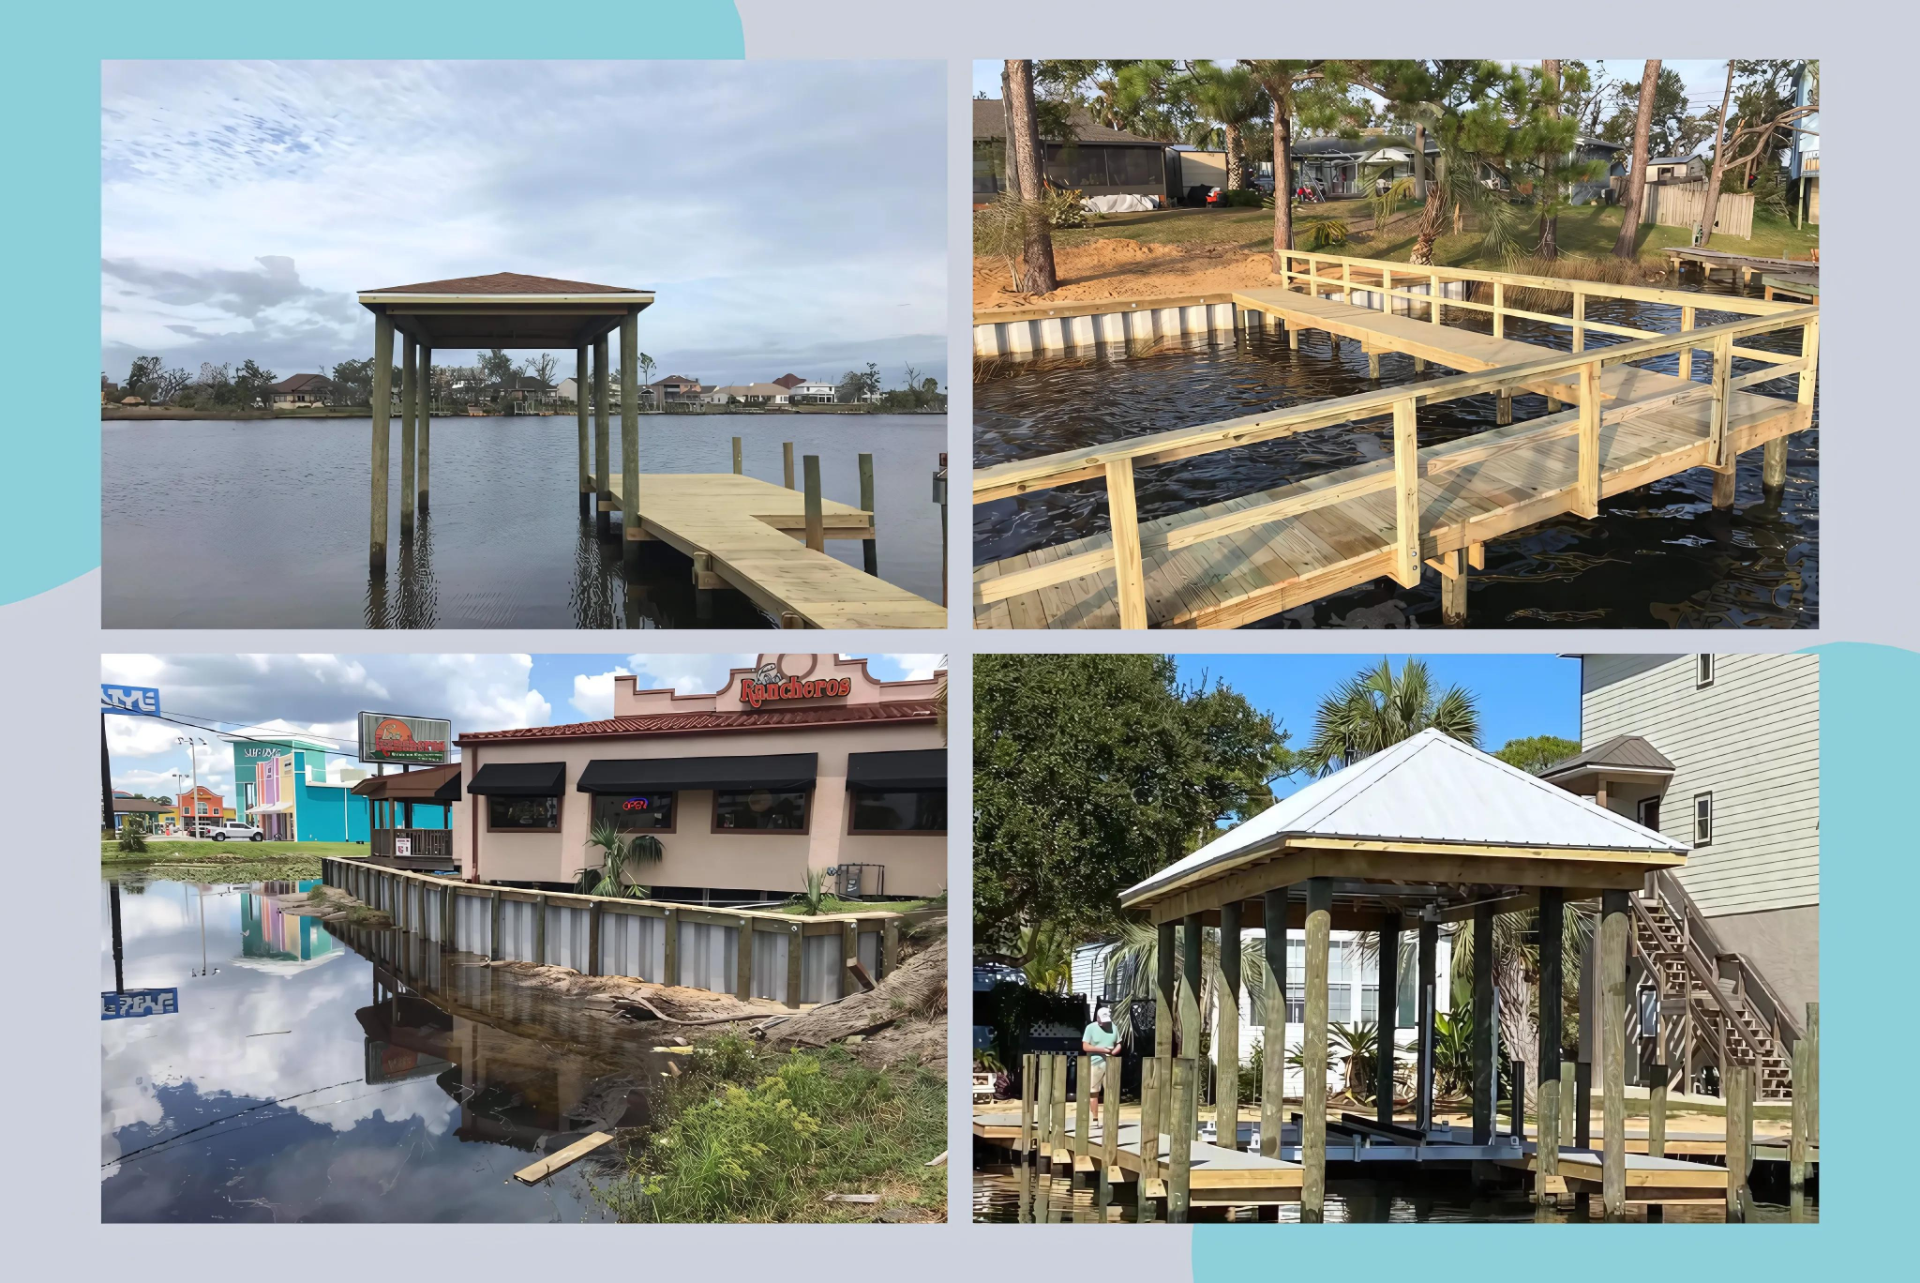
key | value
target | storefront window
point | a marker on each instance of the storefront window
(523, 812)
(634, 812)
(909, 811)
(760, 809)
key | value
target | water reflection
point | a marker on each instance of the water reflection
(1659, 556)
(503, 545)
(350, 1076)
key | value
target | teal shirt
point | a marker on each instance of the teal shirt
(1107, 1038)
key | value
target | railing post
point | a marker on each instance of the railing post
(1346, 283)
(1587, 491)
(1499, 309)
(736, 457)
(1810, 353)
(1717, 431)
(1027, 1072)
(1386, 290)
(1686, 353)
(1406, 484)
(1130, 576)
(1433, 287)
(1579, 321)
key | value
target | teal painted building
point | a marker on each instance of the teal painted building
(299, 790)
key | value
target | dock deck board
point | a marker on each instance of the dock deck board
(751, 530)
(1468, 493)
(1217, 1174)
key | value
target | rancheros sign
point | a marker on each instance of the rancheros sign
(770, 685)
(387, 737)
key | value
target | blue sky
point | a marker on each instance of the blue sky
(1705, 78)
(1518, 695)
(321, 696)
(244, 203)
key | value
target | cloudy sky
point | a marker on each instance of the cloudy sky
(789, 215)
(321, 696)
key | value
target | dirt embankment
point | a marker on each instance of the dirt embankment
(1118, 268)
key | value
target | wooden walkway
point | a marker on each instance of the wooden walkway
(1246, 558)
(1649, 1180)
(748, 533)
(1218, 1177)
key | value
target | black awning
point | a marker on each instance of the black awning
(915, 768)
(667, 774)
(450, 791)
(519, 779)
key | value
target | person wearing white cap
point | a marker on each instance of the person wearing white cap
(1100, 1041)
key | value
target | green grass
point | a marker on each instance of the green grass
(1586, 231)
(229, 861)
(834, 904)
(748, 1134)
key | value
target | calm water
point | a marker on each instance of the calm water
(263, 523)
(1006, 1194)
(310, 1076)
(1660, 556)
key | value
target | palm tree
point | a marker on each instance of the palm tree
(1232, 97)
(813, 900)
(1134, 963)
(1378, 709)
(617, 851)
(1516, 976)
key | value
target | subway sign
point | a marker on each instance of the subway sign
(390, 737)
(132, 701)
(755, 691)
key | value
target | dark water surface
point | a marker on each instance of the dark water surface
(358, 1076)
(1007, 1194)
(1659, 556)
(263, 523)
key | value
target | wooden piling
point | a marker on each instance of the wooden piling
(743, 959)
(409, 397)
(786, 462)
(426, 429)
(1226, 1039)
(670, 950)
(1180, 1156)
(582, 399)
(1373, 366)
(1388, 982)
(1736, 1087)
(493, 928)
(1190, 982)
(1453, 587)
(1058, 1123)
(1773, 464)
(1503, 409)
(1517, 1107)
(1483, 1025)
(1081, 1145)
(869, 549)
(1657, 1076)
(382, 430)
(1614, 929)
(1273, 1046)
(630, 439)
(540, 932)
(1546, 1170)
(816, 527)
(1313, 1097)
(738, 462)
(1027, 1072)
(1428, 955)
(602, 440)
(1043, 1096)
(1149, 1139)
(1164, 998)
(1587, 471)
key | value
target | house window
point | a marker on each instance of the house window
(1650, 813)
(523, 812)
(902, 811)
(1297, 1004)
(760, 810)
(634, 812)
(1703, 819)
(1370, 1003)
(1702, 671)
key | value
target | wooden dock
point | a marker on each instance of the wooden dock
(1649, 1180)
(1743, 267)
(1218, 1177)
(750, 535)
(1245, 558)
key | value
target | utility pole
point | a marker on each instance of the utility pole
(106, 781)
(193, 759)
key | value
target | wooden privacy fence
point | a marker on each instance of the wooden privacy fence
(1575, 377)
(1684, 204)
(748, 953)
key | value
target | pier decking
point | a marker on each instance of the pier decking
(1245, 558)
(1218, 1177)
(750, 534)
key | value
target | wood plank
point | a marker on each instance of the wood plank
(535, 1172)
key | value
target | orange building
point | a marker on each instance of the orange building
(201, 808)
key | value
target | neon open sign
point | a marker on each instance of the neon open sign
(635, 804)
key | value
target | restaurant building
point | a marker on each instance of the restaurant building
(802, 762)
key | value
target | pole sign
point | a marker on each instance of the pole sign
(131, 701)
(139, 1002)
(388, 737)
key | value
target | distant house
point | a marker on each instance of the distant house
(748, 394)
(525, 392)
(300, 389)
(676, 389)
(1675, 169)
(789, 381)
(568, 393)
(813, 392)
(1342, 167)
(152, 814)
(1096, 161)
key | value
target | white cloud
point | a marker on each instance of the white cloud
(593, 693)
(686, 674)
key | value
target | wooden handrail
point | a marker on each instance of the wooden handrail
(1025, 476)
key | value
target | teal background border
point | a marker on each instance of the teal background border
(52, 97)
(1869, 711)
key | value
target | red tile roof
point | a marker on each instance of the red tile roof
(504, 283)
(789, 381)
(683, 723)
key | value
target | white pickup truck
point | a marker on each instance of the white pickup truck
(235, 829)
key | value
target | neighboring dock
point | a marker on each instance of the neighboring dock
(1743, 267)
(1245, 558)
